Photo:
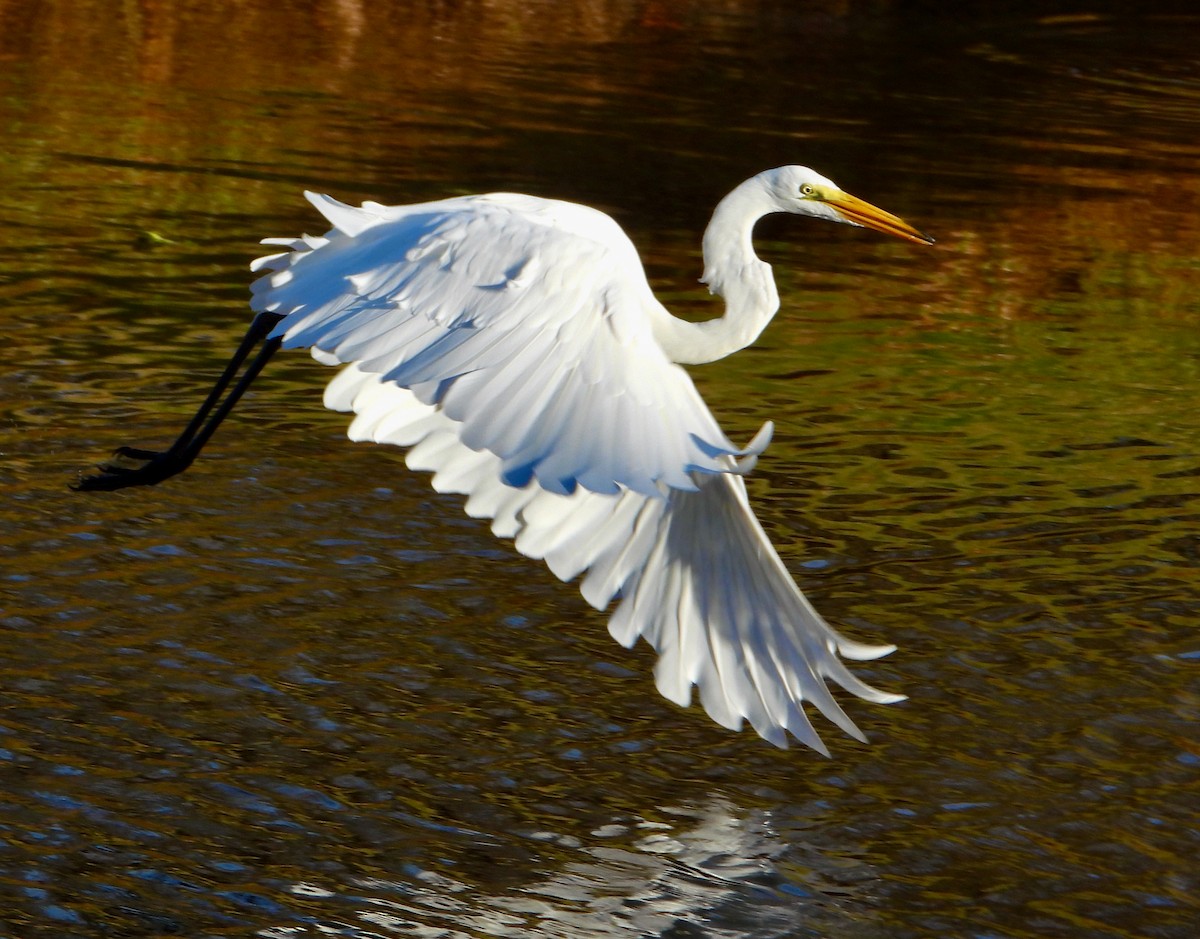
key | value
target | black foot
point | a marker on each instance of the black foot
(156, 468)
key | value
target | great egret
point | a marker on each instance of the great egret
(514, 345)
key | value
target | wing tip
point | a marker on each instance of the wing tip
(862, 651)
(345, 218)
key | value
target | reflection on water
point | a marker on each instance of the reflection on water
(296, 693)
(707, 869)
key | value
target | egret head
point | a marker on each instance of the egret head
(802, 191)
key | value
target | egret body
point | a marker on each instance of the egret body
(514, 346)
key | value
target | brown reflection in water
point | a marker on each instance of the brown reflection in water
(239, 44)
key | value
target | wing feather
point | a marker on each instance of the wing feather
(694, 573)
(545, 300)
(504, 342)
(616, 567)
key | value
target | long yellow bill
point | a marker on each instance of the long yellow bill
(857, 212)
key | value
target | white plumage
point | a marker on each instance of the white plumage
(514, 346)
(517, 317)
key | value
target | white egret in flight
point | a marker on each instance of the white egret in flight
(513, 345)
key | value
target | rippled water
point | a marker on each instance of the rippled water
(296, 693)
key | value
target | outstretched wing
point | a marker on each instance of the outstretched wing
(694, 571)
(526, 321)
(508, 341)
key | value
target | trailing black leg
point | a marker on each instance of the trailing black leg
(158, 466)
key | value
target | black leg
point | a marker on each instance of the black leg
(158, 466)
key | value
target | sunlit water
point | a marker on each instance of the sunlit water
(295, 693)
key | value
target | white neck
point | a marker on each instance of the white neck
(733, 271)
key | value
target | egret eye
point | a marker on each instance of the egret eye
(807, 190)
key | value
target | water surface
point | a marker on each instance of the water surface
(296, 693)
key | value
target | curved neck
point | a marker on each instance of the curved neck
(733, 271)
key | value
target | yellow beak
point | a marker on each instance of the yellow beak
(857, 212)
